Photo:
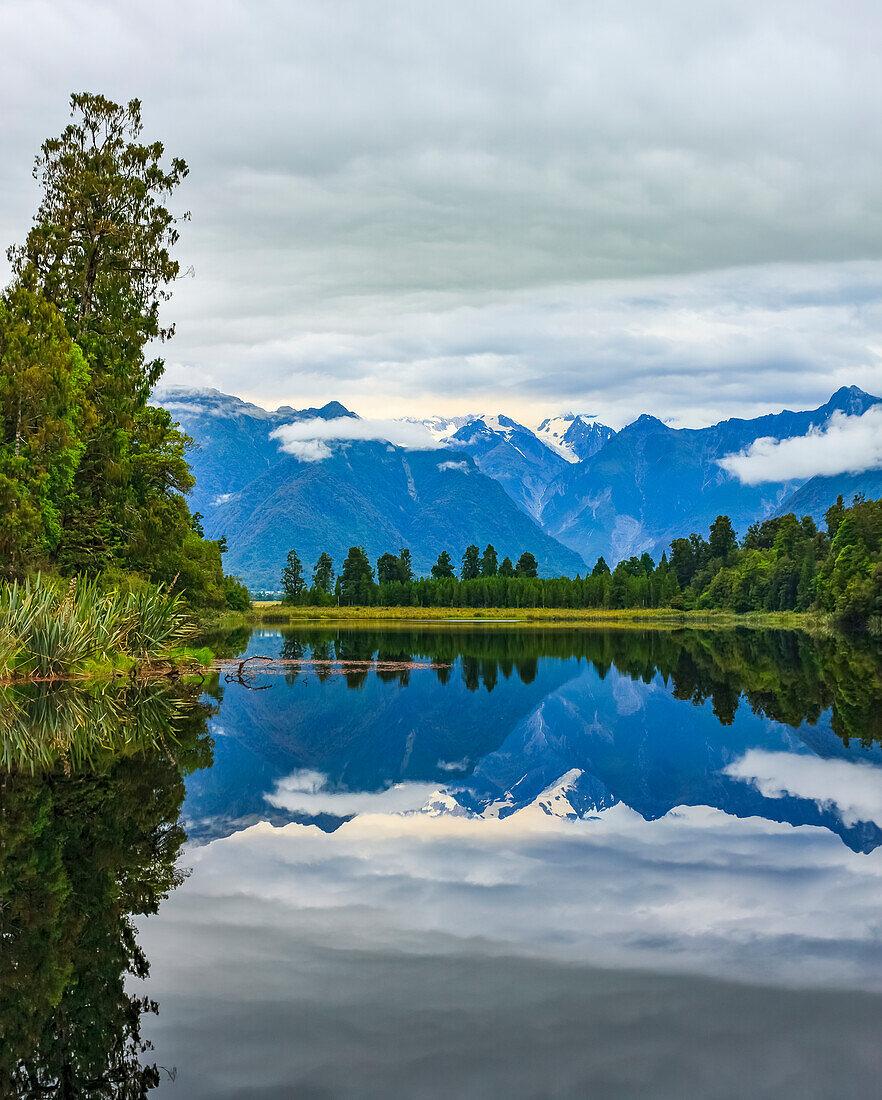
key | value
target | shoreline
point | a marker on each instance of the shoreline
(277, 614)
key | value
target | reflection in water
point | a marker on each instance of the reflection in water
(573, 720)
(452, 861)
(92, 787)
(485, 862)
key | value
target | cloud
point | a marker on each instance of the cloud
(853, 790)
(307, 791)
(847, 444)
(695, 890)
(462, 466)
(308, 439)
(443, 208)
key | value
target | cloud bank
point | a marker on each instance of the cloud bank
(848, 444)
(851, 789)
(520, 208)
(309, 440)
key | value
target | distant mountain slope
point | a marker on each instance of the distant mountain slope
(651, 483)
(819, 493)
(232, 438)
(367, 493)
(512, 455)
(377, 496)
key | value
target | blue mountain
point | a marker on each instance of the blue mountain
(366, 492)
(650, 483)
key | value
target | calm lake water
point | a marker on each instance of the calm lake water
(460, 861)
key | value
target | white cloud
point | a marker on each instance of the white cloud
(306, 791)
(462, 466)
(308, 439)
(696, 890)
(428, 210)
(848, 444)
(853, 790)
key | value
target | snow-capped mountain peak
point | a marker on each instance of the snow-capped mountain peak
(574, 436)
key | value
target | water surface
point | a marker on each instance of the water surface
(476, 861)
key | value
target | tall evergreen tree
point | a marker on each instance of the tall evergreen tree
(722, 538)
(388, 568)
(100, 252)
(489, 565)
(506, 569)
(292, 578)
(443, 567)
(323, 572)
(42, 379)
(471, 563)
(405, 567)
(527, 565)
(356, 578)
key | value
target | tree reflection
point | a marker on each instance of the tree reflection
(787, 676)
(90, 798)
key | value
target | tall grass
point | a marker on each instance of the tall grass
(48, 629)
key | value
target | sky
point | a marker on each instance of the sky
(497, 207)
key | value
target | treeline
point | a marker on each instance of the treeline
(92, 477)
(781, 564)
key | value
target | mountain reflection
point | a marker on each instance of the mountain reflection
(572, 720)
(91, 787)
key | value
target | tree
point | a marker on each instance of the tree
(42, 379)
(323, 572)
(600, 567)
(356, 578)
(443, 567)
(292, 578)
(527, 565)
(100, 251)
(489, 566)
(471, 564)
(405, 568)
(388, 569)
(834, 516)
(506, 569)
(722, 540)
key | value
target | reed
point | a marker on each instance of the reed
(48, 629)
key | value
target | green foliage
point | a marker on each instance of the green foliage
(42, 380)
(292, 581)
(48, 629)
(506, 569)
(527, 566)
(443, 567)
(323, 573)
(471, 564)
(93, 478)
(356, 582)
(489, 562)
(236, 595)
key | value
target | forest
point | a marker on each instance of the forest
(781, 564)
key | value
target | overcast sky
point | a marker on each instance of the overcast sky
(496, 206)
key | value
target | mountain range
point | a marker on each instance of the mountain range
(571, 490)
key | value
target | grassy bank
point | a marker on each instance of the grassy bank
(277, 614)
(50, 630)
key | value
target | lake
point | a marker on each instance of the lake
(437, 860)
